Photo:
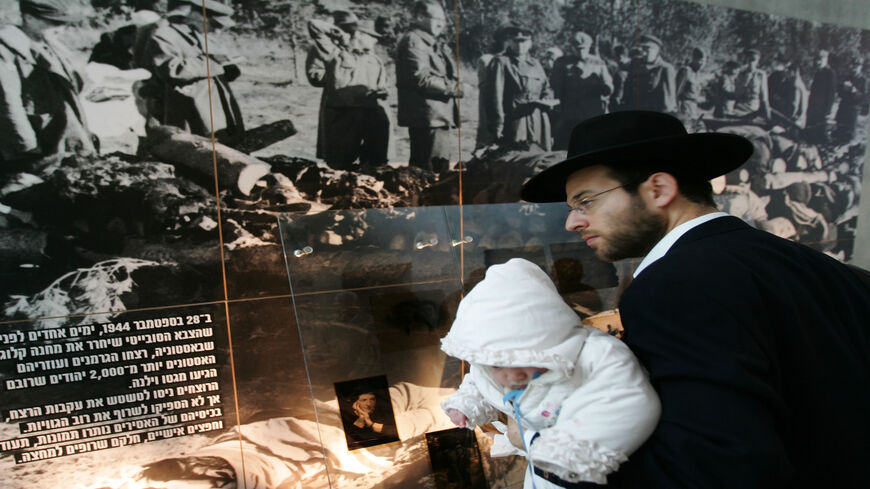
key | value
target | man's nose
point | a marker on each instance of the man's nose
(518, 375)
(576, 221)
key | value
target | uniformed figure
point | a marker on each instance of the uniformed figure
(40, 110)
(582, 83)
(820, 106)
(173, 50)
(853, 93)
(619, 72)
(355, 123)
(691, 82)
(428, 85)
(521, 95)
(750, 97)
(315, 68)
(651, 81)
(788, 93)
(485, 135)
(723, 90)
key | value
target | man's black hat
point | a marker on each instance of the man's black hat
(653, 139)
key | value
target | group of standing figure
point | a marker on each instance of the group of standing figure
(520, 96)
(355, 122)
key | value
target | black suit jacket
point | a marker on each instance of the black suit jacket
(758, 348)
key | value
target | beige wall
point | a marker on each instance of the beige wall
(851, 13)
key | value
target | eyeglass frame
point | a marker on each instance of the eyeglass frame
(585, 203)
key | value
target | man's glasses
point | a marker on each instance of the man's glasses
(583, 205)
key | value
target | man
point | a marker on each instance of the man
(619, 72)
(788, 93)
(428, 85)
(520, 93)
(691, 82)
(820, 105)
(651, 81)
(750, 91)
(853, 93)
(582, 83)
(756, 345)
(722, 90)
(315, 69)
(354, 125)
(177, 94)
(40, 110)
(485, 136)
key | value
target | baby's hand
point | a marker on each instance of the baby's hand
(458, 418)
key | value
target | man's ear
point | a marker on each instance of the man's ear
(660, 189)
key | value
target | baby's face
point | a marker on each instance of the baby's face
(515, 377)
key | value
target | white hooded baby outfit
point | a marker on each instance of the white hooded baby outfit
(583, 417)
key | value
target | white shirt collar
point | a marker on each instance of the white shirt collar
(661, 248)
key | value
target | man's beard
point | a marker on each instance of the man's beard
(633, 234)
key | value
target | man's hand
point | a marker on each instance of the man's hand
(458, 418)
(513, 433)
(363, 418)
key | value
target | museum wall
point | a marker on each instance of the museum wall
(207, 259)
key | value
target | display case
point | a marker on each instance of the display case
(373, 292)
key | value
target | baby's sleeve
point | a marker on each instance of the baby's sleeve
(602, 422)
(469, 401)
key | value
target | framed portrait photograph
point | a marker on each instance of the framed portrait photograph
(366, 412)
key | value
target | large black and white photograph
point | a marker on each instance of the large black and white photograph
(310, 186)
(313, 108)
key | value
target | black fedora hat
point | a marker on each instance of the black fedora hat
(639, 137)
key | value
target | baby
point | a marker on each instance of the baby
(580, 399)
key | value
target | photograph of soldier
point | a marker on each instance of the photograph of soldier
(41, 112)
(618, 67)
(723, 89)
(691, 82)
(823, 96)
(177, 94)
(353, 124)
(750, 90)
(485, 133)
(583, 85)
(788, 93)
(853, 93)
(651, 81)
(521, 97)
(315, 70)
(427, 79)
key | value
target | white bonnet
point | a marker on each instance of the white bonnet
(516, 317)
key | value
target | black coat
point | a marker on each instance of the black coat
(759, 350)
